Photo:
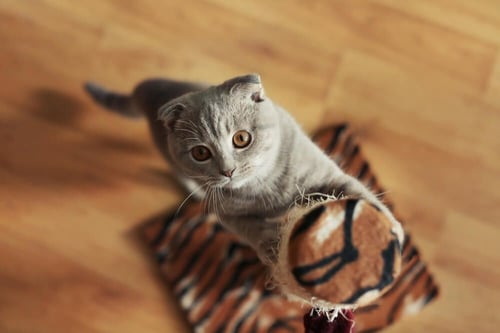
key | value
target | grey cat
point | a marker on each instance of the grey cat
(231, 145)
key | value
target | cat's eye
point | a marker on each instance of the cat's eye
(201, 153)
(241, 139)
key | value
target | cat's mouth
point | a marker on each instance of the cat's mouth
(221, 183)
(231, 183)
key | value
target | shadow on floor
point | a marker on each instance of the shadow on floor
(56, 140)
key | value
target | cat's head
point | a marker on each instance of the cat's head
(225, 136)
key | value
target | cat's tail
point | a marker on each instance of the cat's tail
(119, 103)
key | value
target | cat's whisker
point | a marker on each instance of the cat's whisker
(216, 202)
(190, 139)
(187, 122)
(208, 200)
(381, 194)
(183, 129)
(179, 129)
(191, 123)
(186, 199)
(211, 202)
(221, 200)
(196, 135)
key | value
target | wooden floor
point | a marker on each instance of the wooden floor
(419, 80)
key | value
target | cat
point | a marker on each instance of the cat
(245, 155)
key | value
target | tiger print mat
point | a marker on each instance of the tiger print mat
(223, 287)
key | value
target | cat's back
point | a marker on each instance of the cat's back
(151, 94)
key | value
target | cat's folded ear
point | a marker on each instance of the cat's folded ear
(247, 86)
(169, 113)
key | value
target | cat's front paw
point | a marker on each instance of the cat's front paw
(267, 246)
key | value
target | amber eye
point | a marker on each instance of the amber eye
(241, 139)
(201, 153)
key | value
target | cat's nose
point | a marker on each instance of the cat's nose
(228, 173)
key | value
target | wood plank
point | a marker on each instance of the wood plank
(479, 20)
(492, 93)
(435, 149)
(396, 99)
(419, 81)
(385, 31)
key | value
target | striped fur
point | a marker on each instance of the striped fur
(220, 283)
